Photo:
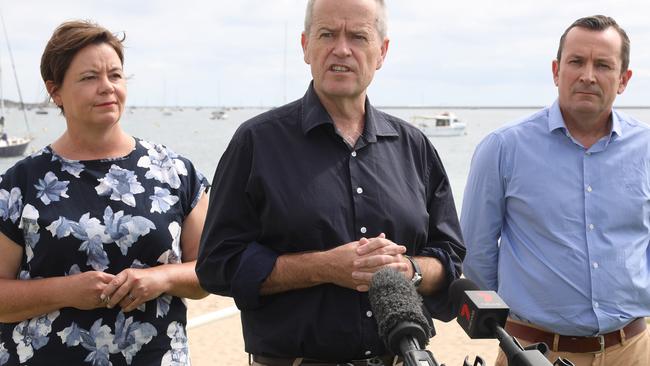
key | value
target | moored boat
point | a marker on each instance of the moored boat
(11, 145)
(443, 124)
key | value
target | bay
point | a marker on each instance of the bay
(192, 133)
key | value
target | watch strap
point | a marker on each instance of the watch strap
(417, 273)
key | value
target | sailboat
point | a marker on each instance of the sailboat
(11, 145)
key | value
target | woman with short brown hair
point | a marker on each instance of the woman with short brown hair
(99, 230)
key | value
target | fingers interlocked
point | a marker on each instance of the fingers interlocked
(374, 254)
(118, 291)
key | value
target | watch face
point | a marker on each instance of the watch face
(417, 276)
(416, 279)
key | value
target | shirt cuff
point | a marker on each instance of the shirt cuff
(255, 265)
(438, 303)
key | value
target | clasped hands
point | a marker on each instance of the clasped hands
(367, 256)
(133, 287)
(129, 289)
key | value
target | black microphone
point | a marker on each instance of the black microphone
(398, 310)
(478, 312)
(483, 314)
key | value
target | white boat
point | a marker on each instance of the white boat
(11, 145)
(220, 114)
(443, 124)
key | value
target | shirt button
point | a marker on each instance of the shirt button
(591, 226)
(595, 264)
(363, 230)
(596, 305)
(589, 189)
(587, 153)
(368, 353)
(359, 190)
(369, 314)
(354, 154)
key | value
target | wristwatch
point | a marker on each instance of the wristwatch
(417, 274)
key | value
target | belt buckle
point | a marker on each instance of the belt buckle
(601, 341)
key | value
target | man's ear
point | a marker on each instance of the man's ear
(384, 51)
(304, 41)
(625, 78)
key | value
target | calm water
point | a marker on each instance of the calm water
(193, 134)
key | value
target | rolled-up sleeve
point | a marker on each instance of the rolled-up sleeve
(482, 213)
(231, 262)
(445, 241)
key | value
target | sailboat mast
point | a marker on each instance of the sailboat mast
(2, 102)
(13, 66)
(284, 66)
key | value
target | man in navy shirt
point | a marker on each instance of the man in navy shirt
(311, 198)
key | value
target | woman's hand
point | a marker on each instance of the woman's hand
(133, 287)
(85, 289)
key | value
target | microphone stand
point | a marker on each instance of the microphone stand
(414, 355)
(529, 356)
(405, 337)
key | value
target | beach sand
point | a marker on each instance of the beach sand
(220, 343)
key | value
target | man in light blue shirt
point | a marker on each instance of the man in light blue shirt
(556, 214)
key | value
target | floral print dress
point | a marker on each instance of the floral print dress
(99, 215)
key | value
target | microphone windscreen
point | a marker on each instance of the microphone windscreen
(394, 300)
(457, 290)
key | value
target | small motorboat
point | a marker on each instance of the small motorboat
(443, 124)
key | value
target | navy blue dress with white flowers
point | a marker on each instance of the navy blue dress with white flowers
(103, 215)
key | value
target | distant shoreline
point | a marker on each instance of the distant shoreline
(389, 107)
(491, 107)
(13, 104)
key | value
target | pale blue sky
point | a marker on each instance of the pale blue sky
(233, 52)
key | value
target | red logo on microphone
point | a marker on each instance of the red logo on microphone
(487, 297)
(464, 312)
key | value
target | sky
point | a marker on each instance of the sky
(247, 52)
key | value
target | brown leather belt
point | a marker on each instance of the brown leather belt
(576, 344)
(276, 361)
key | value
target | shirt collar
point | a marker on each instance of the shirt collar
(556, 121)
(314, 115)
(616, 124)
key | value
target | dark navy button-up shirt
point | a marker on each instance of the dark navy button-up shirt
(289, 183)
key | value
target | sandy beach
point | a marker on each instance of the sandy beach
(220, 342)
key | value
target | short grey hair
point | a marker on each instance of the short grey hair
(380, 22)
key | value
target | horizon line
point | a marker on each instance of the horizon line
(383, 106)
(10, 104)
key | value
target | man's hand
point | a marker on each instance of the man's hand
(374, 254)
(349, 265)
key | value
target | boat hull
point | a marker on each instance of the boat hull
(433, 131)
(443, 124)
(13, 147)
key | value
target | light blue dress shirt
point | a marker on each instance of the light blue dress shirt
(560, 231)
